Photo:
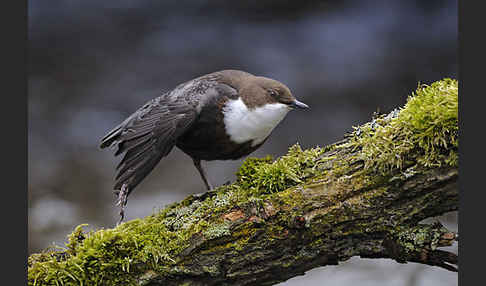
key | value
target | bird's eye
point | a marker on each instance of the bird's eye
(273, 93)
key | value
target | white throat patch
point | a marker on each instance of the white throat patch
(243, 124)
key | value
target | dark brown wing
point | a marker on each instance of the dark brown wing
(147, 136)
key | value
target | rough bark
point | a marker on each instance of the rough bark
(363, 196)
(332, 224)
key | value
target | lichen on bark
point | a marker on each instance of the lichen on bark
(363, 196)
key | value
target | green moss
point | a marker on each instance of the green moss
(249, 170)
(154, 244)
(428, 121)
(115, 255)
(260, 176)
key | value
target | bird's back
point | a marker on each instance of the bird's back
(153, 130)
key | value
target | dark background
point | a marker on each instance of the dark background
(92, 63)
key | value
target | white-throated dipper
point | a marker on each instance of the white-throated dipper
(219, 116)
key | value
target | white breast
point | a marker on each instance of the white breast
(243, 124)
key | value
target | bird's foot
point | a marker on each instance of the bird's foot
(122, 201)
(210, 192)
(227, 183)
(200, 196)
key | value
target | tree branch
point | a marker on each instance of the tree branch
(363, 196)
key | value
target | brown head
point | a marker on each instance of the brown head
(258, 90)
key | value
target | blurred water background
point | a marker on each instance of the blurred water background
(92, 63)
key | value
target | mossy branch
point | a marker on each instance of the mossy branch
(363, 196)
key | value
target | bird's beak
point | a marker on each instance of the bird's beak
(299, 105)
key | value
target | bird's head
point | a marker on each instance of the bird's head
(274, 91)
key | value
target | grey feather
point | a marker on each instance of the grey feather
(147, 136)
(150, 133)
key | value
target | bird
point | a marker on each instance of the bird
(224, 115)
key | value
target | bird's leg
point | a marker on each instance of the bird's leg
(122, 201)
(197, 163)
